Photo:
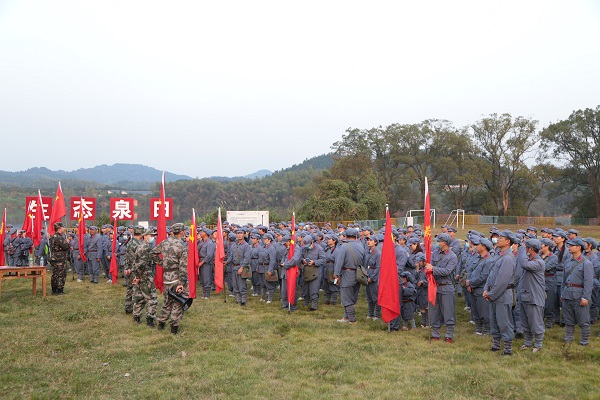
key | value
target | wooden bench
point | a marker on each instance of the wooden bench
(32, 273)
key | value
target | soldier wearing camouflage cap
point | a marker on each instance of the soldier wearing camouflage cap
(142, 277)
(174, 262)
(59, 250)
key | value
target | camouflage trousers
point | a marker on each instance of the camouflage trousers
(59, 275)
(128, 295)
(172, 308)
(145, 293)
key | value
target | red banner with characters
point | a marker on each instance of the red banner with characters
(87, 205)
(122, 209)
(154, 208)
(31, 203)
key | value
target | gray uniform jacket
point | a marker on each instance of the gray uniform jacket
(532, 286)
(93, 248)
(267, 259)
(372, 262)
(502, 277)
(551, 262)
(479, 275)
(579, 279)
(347, 258)
(239, 254)
(444, 266)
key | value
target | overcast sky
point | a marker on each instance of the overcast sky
(207, 88)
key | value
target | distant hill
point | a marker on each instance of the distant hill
(122, 175)
(258, 174)
(324, 161)
(129, 176)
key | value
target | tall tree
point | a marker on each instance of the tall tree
(507, 144)
(576, 140)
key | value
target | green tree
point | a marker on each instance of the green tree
(507, 144)
(576, 140)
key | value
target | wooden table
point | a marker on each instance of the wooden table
(32, 273)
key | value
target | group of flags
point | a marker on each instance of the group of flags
(34, 221)
(389, 288)
(389, 285)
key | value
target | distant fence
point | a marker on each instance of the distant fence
(490, 220)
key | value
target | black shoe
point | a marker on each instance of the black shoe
(54, 292)
(174, 329)
(150, 322)
(327, 303)
(507, 353)
(243, 304)
(313, 309)
(161, 326)
(519, 335)
(128, 311)
(137, 319)
(60, 291)
(495, 349)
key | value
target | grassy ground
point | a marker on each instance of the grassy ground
(82, 345)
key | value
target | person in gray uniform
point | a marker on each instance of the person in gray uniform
(443, 266)
(550, 261)
(476, 279)
(311, 258)
(239, 257)
(372, 262)
(329, 286)
(576, 292)
(498, 291)
(422, 288)
(347, 259)
(93, 253)
(532, 290)
(559, 236)
(207, 263)
(282, 257)
(589, 253)
(267, 268)
(255, 247)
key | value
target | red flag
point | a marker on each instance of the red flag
(193, 258)
(432, 287)
(162, 233)
(38, 222)
(114, 270)
(81, 234)
(2, 236)
(292, 273)
(388, 296)
(59, 210)
(219, 256)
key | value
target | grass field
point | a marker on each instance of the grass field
(82, 345)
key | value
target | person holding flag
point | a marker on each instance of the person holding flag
(442, 266)
(59, 250)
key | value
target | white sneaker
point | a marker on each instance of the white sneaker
(231, 295)
(374, 318)
(205, 298)
(472, 322)
(268, 301)
(343, 320)
(368, 317)
(467, 308)
(109, 281)
(79, 280)
(300, 298)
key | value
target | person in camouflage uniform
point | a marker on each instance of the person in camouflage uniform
(142, 279)
(59, 250)
(174, 262)
(130, 252)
